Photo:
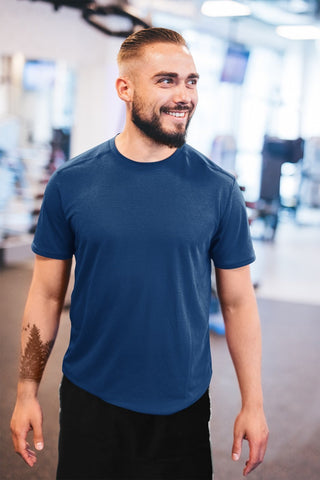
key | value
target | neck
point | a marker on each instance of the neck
(135, 145)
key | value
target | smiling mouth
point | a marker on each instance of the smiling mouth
(176, 113)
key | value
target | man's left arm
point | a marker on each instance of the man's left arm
(243, 335)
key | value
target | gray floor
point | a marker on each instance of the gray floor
(291, 332)
(291, 355)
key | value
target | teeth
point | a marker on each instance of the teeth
(177, 114)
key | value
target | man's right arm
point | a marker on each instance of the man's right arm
(39, 329)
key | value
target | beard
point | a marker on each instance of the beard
(153, 129)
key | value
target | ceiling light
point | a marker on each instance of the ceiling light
(224, 8)
(301, 6)
(273, 13)
(299, 32)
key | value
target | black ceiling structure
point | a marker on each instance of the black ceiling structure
(93, 13)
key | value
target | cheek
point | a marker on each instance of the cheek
(195, 99)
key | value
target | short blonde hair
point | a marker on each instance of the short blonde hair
(134, 44)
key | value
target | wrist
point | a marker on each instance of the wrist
(253, 401)
(27, 389)
(252, 406)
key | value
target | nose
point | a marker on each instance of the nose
(184, 95)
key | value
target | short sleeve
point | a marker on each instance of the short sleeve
(231, 246)
(53, 237)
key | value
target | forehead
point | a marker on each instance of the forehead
(158, 57)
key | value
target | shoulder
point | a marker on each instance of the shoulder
(82, 168)
(86, 158)
(202, 164)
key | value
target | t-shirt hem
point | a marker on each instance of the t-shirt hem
(47, 254)
(142, 410)
(240, 264)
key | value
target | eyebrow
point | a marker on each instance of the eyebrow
(174, 75)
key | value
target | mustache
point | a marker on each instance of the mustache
(178, 108)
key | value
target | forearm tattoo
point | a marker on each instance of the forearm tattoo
(35, 355)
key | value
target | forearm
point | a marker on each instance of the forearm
(243, 337)
(41, 320)
(39, 330)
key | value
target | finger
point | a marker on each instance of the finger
(257, 453)
(29, 456)
(249, 467)
(23, 449)
(255, 458)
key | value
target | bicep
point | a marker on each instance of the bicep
(234, 286)
(50, 278)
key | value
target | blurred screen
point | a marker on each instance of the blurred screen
(38, 75)
(235, 64)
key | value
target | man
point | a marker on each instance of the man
(143, 214)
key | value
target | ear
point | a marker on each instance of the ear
(124, 89)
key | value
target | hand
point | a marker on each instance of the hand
(27, 416)
(251, 426)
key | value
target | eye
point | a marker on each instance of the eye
(165, 81)
(192, 82)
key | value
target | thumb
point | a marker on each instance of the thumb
(236, 448)
(38, 437)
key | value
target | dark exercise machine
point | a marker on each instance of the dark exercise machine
(275, 153)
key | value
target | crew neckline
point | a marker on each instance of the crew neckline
(137, 164)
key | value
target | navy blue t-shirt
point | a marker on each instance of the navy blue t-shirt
(143, 236)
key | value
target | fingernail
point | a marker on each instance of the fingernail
(235, 457)
(39, 446)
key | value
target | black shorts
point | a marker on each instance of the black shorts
(102, 441)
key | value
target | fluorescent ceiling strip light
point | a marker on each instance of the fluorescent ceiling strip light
(224, 8)
(299, 32)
